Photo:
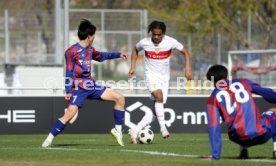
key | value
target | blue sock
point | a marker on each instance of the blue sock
(119, 116)
(57, 128)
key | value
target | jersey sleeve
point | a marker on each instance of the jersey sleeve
(102, 56)
(213, 118)
(139, 45)
(69, 58)
(176, 45)
(267, 93)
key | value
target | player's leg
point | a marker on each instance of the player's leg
(159, 110)
(148, 118)
(145, 121)
(271, 116)
(273, 125)
(118, 112)
(272, 120)
(60, 125)
(243, 152)
(77, 100)
(160, 95)
(119, 108)
(165, 89)
(243, 145)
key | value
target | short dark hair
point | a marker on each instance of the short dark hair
(85, 28)
(216, 73)
(157, 25)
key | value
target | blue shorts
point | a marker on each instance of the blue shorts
(80, 95)
(271, 132)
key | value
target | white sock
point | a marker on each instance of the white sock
(160, 114)
(146, 120)
(274, 146)
(50, 137)
(118, 128)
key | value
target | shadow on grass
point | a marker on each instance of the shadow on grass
(67, 145)
(250, 158)
(85, 145)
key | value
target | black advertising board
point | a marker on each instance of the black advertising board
(36, 115)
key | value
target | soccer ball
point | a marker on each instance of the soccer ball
(146, 136)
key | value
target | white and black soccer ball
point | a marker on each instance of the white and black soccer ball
(146, 136)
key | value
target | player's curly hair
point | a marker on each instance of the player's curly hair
(85, 28)
(216, 73)
(157, 25)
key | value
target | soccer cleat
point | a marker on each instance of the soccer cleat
(243, 154)
(133, 136)
(165, 134)
(274, 154)
(47, 143)
(118, 136)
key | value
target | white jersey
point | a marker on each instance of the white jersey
(157, 56)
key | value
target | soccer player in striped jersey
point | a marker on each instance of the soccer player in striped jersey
(158, 49)
(79, 84)
(232, 101)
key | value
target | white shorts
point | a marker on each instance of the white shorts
(155, 84)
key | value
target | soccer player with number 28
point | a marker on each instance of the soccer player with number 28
(81, 86)
(232, 100)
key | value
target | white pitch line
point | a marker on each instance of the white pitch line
(137, 151)
(192, 156)
(163, 153)
(261, 160)
(76, 149)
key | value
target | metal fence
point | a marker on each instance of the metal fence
(117, 30)
(23, 34)
(32, 38)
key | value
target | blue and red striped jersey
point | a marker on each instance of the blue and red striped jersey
(78, 65)
(231, 101)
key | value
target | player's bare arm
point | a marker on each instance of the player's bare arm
(134, 57)
(188, 73)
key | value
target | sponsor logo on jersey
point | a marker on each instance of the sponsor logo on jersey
(157, 54)
(81, 62)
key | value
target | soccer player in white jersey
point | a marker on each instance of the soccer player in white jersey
(157, 50)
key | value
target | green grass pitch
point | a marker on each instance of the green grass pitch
(102, 150)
